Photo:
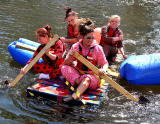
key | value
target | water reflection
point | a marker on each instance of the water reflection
(50, 111)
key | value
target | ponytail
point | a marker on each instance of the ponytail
(69, 12)
(87, 26)
(46, 30)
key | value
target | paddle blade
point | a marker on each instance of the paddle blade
(6, 82)
(143, 100)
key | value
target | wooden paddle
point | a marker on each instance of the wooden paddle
(108, 79)
(31, 64)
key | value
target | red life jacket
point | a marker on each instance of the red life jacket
(71, 32)
(111, 33)
(46, 58)
(89, 57)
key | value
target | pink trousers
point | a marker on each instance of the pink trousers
(71, 74)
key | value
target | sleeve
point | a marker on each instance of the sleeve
(120, 43)
(100, 56)
(105, 37)
(58, 49)
(74, 47)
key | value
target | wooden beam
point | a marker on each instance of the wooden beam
(25, 46)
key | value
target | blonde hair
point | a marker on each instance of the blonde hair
(115, 16)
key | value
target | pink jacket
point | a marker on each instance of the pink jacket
(98, 53)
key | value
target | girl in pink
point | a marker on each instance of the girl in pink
(80, 75)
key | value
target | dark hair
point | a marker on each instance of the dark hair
(69, 12)
(89, 22)
(86, 27)
(45, 30)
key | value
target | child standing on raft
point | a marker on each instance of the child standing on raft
(80, 75)
(111, 39)
(52, 57)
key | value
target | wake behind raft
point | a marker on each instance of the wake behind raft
(141, 69)
(53, 90)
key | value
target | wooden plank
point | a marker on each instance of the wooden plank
(105, 77)
(25, 46)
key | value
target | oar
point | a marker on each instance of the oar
(31, 64)
(109, 80)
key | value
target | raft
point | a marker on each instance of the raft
(58, 90)
(53, 90)
(141, 69)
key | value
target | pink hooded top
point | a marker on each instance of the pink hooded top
(98, 53)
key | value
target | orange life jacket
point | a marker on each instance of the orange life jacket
(97, 34)
(89, 57)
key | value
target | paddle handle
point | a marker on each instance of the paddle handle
(105, 77)
(39, 55)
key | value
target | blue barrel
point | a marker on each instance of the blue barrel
(141, 69)
(21, 55)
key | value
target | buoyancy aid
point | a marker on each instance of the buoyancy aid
(110, 33)
(45, 57)
(81, 67)
(89, 57)
(71, 31)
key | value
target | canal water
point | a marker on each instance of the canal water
(140, 22)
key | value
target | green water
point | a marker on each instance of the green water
(20, 18)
